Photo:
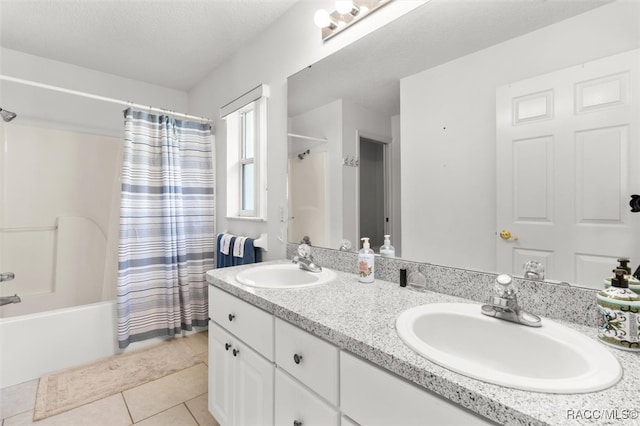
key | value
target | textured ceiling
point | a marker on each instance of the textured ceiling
(172, 43)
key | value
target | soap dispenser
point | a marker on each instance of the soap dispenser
(387, 250)
(633, 281)
(366, 260)
(618, 314)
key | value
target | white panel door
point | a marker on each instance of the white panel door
(568, 150)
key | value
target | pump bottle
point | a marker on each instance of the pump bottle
(366, 260)
(387, 250)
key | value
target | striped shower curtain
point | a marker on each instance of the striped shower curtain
(166, 226)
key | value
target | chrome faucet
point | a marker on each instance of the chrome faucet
(6, 300)
(503, 304)
(7, 276)
(534, 270)
(305, 260)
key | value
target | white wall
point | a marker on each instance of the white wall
(448, 131)
(292, 43)
(45, 108)
(60, 110)
(57, 188)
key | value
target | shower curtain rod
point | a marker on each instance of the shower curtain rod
(103, 98)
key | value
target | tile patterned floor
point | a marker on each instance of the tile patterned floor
(179, 399)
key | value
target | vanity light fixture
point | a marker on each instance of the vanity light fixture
(347, 13)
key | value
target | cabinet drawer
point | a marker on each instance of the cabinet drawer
(296, 405)
(372, 396)
(250, 324)
(308, 358)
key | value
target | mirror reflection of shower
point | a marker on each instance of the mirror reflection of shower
(7, 115)
(304, 154)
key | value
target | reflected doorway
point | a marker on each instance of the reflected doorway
(373, 188)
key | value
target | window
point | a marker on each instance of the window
(246, 152)
(247, 161)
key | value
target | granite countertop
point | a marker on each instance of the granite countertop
(360, 318)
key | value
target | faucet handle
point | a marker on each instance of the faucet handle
(504, 287)
(304, 250)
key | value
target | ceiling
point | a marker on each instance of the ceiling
(171, 43)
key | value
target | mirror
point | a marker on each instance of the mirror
(431, 88)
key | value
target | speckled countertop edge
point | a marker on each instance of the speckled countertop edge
(360, 318)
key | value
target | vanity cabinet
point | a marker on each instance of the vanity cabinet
(264, 371)
(372, 396)
(241, 369)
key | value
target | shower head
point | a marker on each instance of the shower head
(303, 154)
(7, 115)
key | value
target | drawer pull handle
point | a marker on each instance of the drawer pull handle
(227, 346)
(297, 359)
(236, 352)
(297, 423)
(231, 317)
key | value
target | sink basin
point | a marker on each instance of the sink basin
(551, 358)
(283, 276)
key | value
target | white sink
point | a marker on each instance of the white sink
(283, 276)
(551, 358)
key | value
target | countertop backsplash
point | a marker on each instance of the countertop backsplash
(551, 300)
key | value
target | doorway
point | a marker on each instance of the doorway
(373, 191)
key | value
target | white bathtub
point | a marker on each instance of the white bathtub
(36, 344)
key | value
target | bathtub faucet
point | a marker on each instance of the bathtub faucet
(7, 276)
(9, 299)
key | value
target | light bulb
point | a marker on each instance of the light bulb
(322, 18)
(344, 6)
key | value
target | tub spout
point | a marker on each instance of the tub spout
(9, 299)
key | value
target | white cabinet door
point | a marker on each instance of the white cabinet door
(298, 406)
(240, 381)
(253, 387)
(220, 374)
(568, 146)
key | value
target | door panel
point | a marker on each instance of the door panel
(567, 154)
(253, 393)
(220, 374)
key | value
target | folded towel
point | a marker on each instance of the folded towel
(226, 243)
(240, 251)
(238, 246)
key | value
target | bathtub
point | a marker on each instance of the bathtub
(36, 344)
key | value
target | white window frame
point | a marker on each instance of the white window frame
(234, 114)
